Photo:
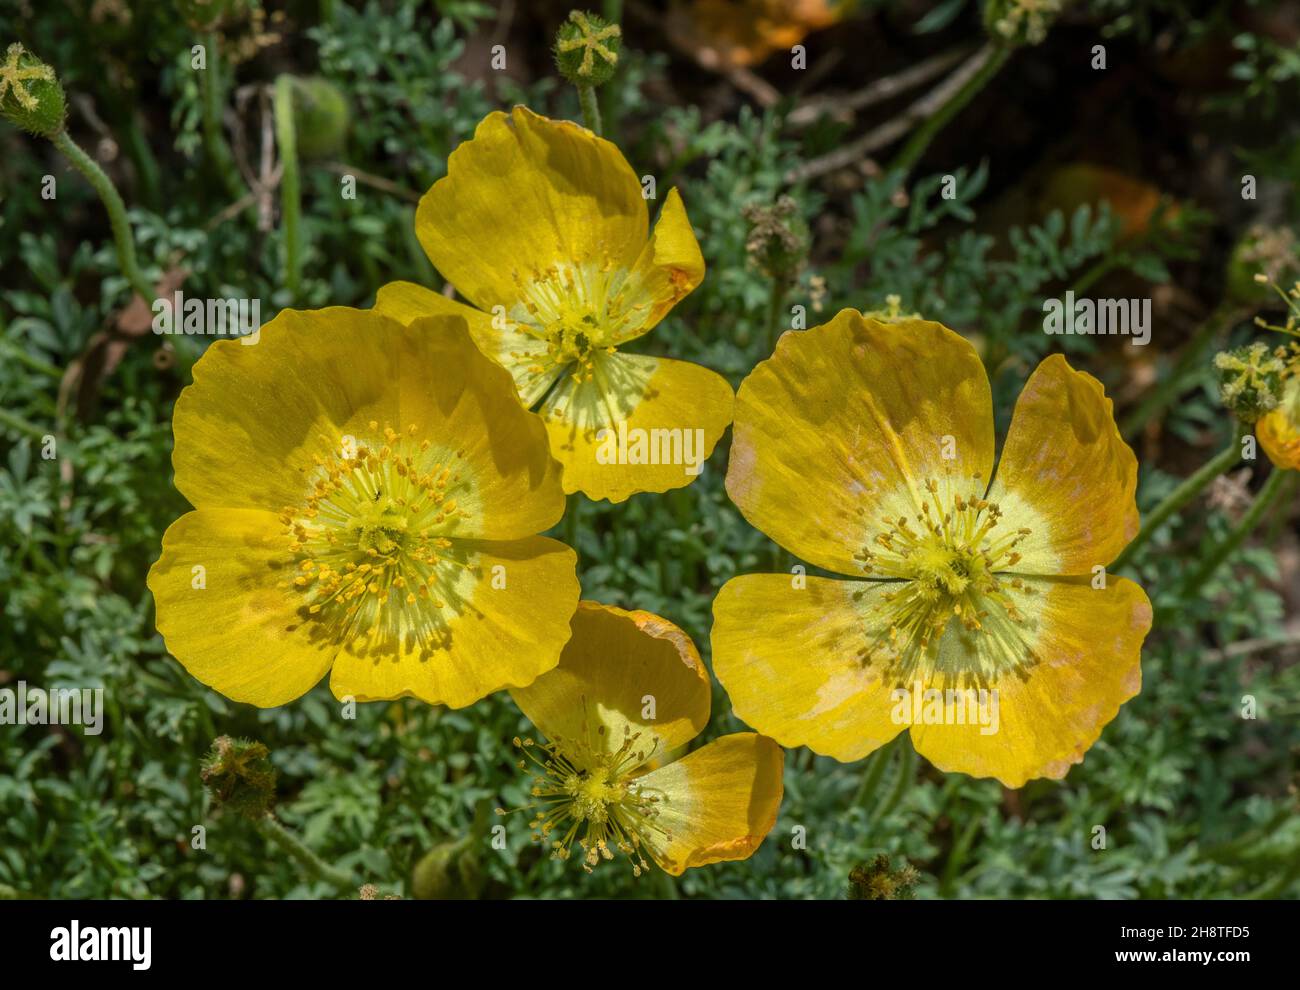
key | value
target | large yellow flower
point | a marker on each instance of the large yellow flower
(1279, 430)
(630, 689)
(366, 497)
(542, 226)
(866, 448)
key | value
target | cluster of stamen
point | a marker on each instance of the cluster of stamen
(951, 561)
(584, 786)
(371, 542)
(580, 312)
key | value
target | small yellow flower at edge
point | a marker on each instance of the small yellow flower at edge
(366, 498)
(1279, 430)
(542, 226)
(630, 689)
(867, 448)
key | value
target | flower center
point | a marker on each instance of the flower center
(372, 541)
(950, 564)
(580, 311)
(582, 787)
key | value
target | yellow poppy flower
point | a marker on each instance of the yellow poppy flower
(541, 225)
(866, 448)
(366, 499)
(629, 690)
(1279, 430)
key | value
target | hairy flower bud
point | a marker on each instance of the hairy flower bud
(1250, 380)
(587, 49)
(30, 93)
(875, 881)
(239, 776)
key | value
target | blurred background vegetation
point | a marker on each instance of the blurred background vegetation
(1122, 182)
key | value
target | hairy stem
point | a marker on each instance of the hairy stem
(214, 138)
(590, 108)
(1183, 494)
(298, 851)
(123, 238)
(1258, 508)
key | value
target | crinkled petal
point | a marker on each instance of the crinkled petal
(223, 613)
(633, 673)
(524, 194)
(842, 427)
(637, 424)
(1051, 703)
(500, 624)
(522, 354)
(792, 652)
(717, 803)
(1066, 474)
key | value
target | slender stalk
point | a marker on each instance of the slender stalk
(1266, 497)
(923, 135)
(590, 108)
(871, 776)
(906, 765)
(290, 206)
(291, 844)
(775, 312)
(123, 238)
(214, 138)
(1163, 394)
(1183, 494)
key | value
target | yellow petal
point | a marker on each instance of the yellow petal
(502, 624)
(1066, 474)
(223, 614)
(791, 653)
(636, 424)
(630, 672)
(527, 193)
(1279, 431)
(249, 430)
(1087, 645)
(717, 803)
(842, 427)
(669, 268)
(522, 354)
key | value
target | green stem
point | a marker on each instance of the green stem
(1163, 394)
(871, 776)
(923, 135)
(906, 765)
(1183, 494)
(775, 312)
(291, 844)
(572, 512)
(214, 137)
(289, 192)
(123, 238)
(1266, 497)
(590, 107)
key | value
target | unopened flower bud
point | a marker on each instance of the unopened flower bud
(30, 93)
(875, 881)
(587, 49)
(239, 776)
(1250, 380)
